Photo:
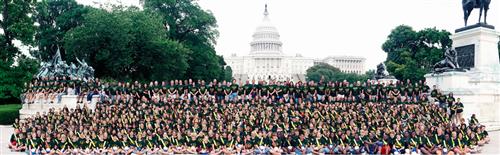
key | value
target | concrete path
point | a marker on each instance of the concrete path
(5, 133)
(494, 146)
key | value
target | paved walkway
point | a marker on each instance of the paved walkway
(494, 146)
(6, 130)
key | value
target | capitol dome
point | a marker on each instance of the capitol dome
(266, 38)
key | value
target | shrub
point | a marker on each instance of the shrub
(8, 113)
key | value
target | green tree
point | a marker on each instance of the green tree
(326, 72)
(15, 68)
(228, 74)
(127, 44)
(411, 54)
(186, 22)
(13, 78)
(16, 24)
(321, 71)
(55, 18)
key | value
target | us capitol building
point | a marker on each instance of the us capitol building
(267, 61)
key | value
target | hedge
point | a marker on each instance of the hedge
(8, 113)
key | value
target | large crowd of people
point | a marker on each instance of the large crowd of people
(212, 117)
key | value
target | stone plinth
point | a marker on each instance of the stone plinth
(485, 41)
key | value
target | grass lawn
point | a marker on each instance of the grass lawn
(8, 113)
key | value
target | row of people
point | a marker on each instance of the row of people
(47, 90)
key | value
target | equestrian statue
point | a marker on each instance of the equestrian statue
(469, 5)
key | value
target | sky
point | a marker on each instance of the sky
(321, 28)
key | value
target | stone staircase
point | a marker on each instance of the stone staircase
(67, 101)
(299, 77)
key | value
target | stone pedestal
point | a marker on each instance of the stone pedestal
(479, 87)
(485, 45)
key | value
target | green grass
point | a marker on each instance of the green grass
(8, 113)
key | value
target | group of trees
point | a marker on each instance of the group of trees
(411, 54)
(164, 40)
(326, 72)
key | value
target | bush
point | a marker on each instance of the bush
(8, 113)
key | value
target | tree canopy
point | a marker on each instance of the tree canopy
(186, 22)
(126, 44)
(55, 18)
(411, 54)
(15, 68)
(326, 72)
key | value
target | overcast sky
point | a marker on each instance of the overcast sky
(320, 28)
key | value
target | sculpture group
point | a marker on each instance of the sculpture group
(382, 73)
(58, 67)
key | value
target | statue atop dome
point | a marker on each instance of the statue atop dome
(265, 11)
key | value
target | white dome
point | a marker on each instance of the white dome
(266, 38)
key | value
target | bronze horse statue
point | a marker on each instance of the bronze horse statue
(469, 5)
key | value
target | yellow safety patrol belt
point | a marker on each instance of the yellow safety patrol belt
(15, 137)
(398, 143)
(70, 142)
(32, 144)
(436, 137)
(131, 140)
(150, 145)
(428, 141)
